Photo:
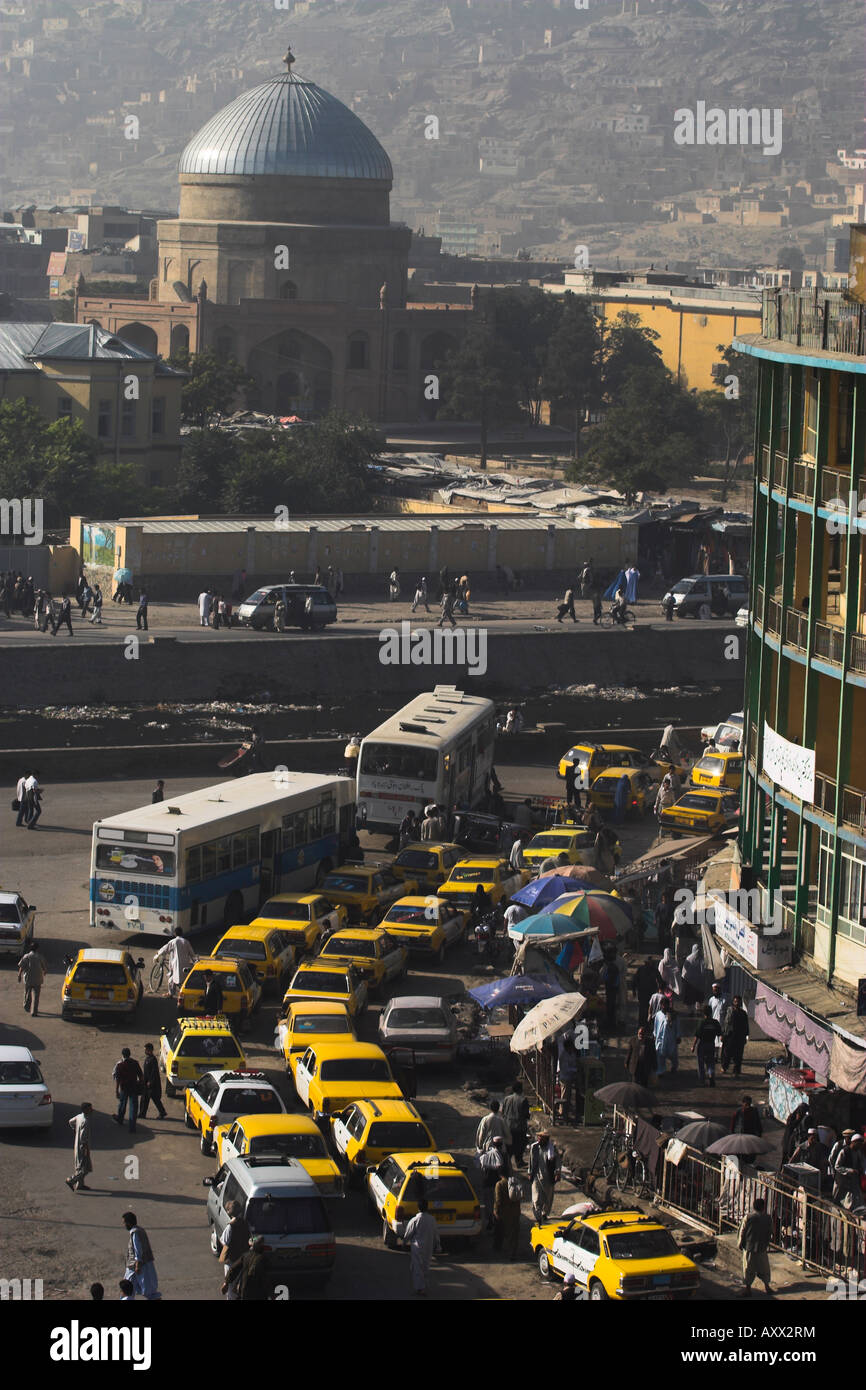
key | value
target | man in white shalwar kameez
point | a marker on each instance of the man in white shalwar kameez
(180, 958)
(421, 1234)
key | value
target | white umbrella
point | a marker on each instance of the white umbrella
(546, 1019)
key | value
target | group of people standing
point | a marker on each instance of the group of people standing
(214, 610)
(28, 800)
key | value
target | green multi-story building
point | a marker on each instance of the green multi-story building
(803, 822)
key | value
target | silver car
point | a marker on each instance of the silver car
(422, 1023)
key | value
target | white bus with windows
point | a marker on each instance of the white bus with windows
(438, 748)
(210, 857)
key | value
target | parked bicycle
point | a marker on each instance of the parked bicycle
(611, 1145)
(632, 1171)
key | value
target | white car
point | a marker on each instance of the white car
(728, 734)
(25, 1100)
(219, 1097)
(16, 924)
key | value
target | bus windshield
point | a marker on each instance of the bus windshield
(398, 760)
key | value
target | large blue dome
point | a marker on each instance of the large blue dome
(287, 127)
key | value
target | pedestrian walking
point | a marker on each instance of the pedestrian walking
(405, 832)
(494, 1165)
(704, 1044)
(644, 985)
(492, 1126)
(82, 1162)
(279, 616)
(447, 610)
(204, 601)
(64, 617)
(211, 1002)
(128, 1083)
(222, 612)
(140, 1266)
(141, 615)
(506, 1215)
(754, 1241)
(640, 1061)
(665, 798)
(746, 1120)
(632, 575)
(96, 615)
(597, 608)
(340, 583)
(31, 972)
(735, 1036)
(234, 1242)
(158, 793)
(515, 1113)
(421, 595)
(179, 958)
(666, 1036)
(251, 1274)
(421, 1234)
(566, 606)
(848, 1169)
(21, 798)
(151, 1084)
(97, 1292)
(394, 584)
(32, 801)
(545, 1164)
(621, 798)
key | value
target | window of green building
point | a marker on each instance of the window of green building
(810, 414)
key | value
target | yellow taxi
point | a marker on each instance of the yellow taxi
(722, 770)
(268, 954)
(425, 926)
(369, 1130)
(365, 892)
(301, 917)
(99, 981)
(375, 954)
(573, 840)
(615, 1254)
(589, 760)
(396, 1185)
(312, 1021)
(218, 1096)
(242, 993)
(643, 788)
(289, 1136)
(193, 1046)
(429, 863)
(327, 1077)
(494, 874)
(335, 980)
(702, 811)
(16, 924)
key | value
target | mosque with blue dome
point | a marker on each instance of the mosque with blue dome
(284, 257)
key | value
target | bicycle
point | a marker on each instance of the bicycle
(158, 973)
(632, 1171)
(612, 619)
(611, 1145)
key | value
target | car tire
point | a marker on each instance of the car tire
(170, 1092)
(545, 1268)
(187, 1117)
(597, 1292)
(206, 1146)
(389, 1240)
(439, 957)
(704, 612)
(214, 1242)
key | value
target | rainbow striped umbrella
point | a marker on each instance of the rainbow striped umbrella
(603, 912)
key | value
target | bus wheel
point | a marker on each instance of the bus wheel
(233, 910)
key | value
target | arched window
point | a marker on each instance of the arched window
(288, 290)
(179, 338)
(358, 352)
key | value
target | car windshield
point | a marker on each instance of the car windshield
(683, 587)
(20, 1074)
(345, 883)
(290, 1145)
(711, 765)
(286, 1216)
(695, 802)
(416, 1018)
(551, 841)
(9, 913)
(247, 950)
(415, 859)
(641, 1245)
(286, 912)
(215, 1046)
(408, 914)
(398, 1136)
(322, 1023)
(259, 596)
(320, 982)
(98, 972)
(249, 1100)
(466, 873)
(349, 946)
(356, 1069)
(396, 760)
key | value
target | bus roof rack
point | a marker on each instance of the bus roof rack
(447, 692)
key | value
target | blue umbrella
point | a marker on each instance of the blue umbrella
(541, 891)
(515, 989)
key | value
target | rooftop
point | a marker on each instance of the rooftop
(23, 344)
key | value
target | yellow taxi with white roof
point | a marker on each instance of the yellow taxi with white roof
(220, 1096)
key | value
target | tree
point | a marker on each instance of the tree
(523, 321)
(207, 462)
(728, 416)
(480, 380)
(53, 463)
(626, 347)
(323, 468)
(211, 387)
(651, 436)
(790, 257)
(572, 362)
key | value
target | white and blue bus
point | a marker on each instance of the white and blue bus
(210, 857)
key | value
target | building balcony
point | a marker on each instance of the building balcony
(822, 319)
(852, 804)
(800, 479)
